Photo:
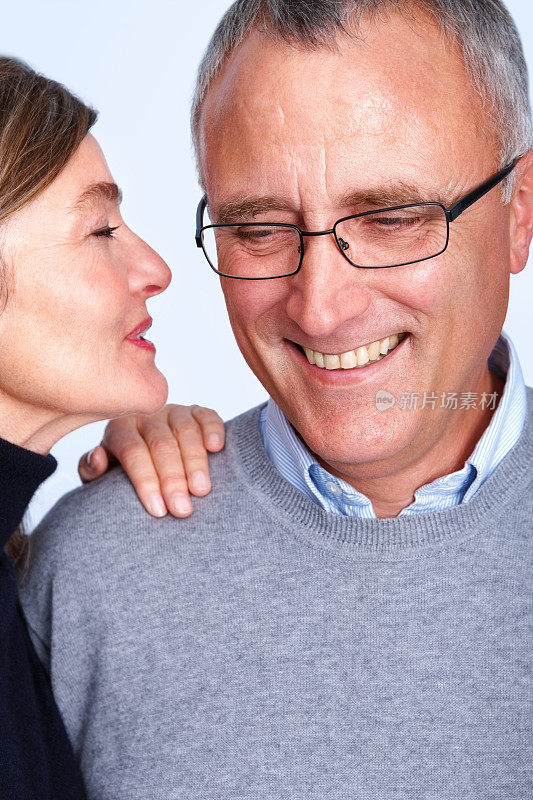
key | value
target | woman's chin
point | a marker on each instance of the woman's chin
(143, 396)
(118, 396)
(153, 396)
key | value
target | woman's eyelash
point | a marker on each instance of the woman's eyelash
(107, 232)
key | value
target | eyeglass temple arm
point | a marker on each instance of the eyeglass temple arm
(454, 211)
(200, 220)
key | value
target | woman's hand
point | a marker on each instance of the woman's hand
(164, 455)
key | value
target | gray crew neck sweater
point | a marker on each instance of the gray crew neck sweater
(264, 648)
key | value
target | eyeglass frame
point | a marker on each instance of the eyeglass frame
(451, 213)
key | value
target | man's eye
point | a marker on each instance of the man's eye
(107, 232)
(402, 222)
(255, 233)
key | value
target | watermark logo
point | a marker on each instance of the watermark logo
(384, 400)
(410, 401)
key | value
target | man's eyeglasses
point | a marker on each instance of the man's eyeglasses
(386, 237)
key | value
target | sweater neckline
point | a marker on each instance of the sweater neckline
(398, 538)
(21, 473)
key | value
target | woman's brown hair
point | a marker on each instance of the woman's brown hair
(41, 126)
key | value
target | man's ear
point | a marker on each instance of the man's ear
(521, 217)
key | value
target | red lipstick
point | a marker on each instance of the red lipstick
(136, 336)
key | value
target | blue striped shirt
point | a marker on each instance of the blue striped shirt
(297, 465)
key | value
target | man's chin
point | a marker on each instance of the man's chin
(346, 441)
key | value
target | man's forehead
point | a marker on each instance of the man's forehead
(271, 82)
(370, 103)
(358, 84)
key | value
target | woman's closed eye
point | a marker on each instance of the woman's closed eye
(106, 232)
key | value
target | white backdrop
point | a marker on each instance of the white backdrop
(136, 62)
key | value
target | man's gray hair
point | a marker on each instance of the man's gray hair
(483, 29)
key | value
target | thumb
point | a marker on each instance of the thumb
(93, 464)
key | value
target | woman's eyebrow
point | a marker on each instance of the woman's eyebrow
(96, 192)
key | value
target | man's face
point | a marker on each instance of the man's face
(388, 115)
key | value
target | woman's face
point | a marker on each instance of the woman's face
(78, 280)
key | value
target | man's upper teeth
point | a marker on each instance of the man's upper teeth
(354, 358)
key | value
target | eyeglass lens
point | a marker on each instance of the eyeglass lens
(389, 237)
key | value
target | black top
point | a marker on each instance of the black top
(36, 759)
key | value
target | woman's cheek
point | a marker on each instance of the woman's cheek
(105, 297)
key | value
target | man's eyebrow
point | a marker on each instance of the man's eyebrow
(393, 194)
(98, 191)
(241, 208)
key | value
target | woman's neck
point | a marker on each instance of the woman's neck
(37, 428)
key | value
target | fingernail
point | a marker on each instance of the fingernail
(199, 481)
(157, 506)
(181, 504)
(214, 439)
(90, 458)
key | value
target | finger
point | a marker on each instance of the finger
(93, 464)
(129, 448)
(188, 435)
(213, 430)
(168, 464)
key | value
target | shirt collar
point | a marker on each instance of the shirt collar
(507, 421)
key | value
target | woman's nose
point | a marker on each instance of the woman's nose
(151, 274)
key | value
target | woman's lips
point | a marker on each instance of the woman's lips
(144, 344)
(136, 338)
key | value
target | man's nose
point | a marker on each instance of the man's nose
(149, 274)
(327, 291)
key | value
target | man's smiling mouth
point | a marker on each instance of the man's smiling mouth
(354, 359)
